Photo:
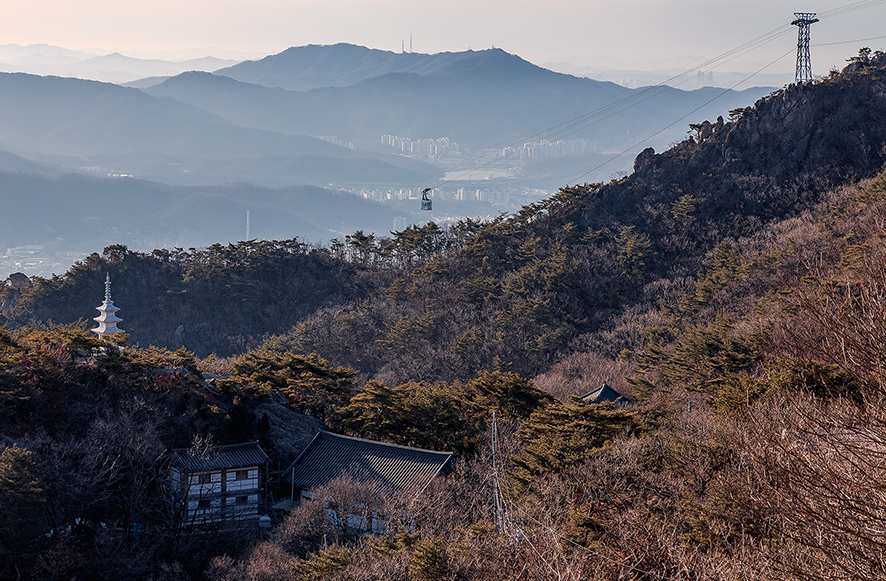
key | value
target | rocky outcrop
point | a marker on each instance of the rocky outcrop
(834, 125)
(290, 431)
(644, 158)
(763, 164)
(17, 281)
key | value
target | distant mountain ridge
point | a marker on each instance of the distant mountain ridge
(340, 65)
(114, 67)
(51, 116)
(486, 98)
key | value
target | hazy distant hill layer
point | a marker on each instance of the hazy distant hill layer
(41, 59)
(482, 98)
(313, 66)
(588, 269)
(216, 129)
(15, 164)
(74, 212)
(113, 68)
(86, 119)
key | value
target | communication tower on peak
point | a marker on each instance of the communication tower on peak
(804, 63)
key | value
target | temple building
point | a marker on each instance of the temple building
(605, 394)
(220, 483)
(393, 467)
(107, 320)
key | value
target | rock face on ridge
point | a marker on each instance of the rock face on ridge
(766, 160)
(838, 123)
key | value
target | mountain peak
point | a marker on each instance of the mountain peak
(340, 65)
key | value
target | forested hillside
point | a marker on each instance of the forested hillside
(732, 285)
(570, 274)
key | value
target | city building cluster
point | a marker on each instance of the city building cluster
(545, 149)
(335, 141)
(38, 260)
(504, 197)
(442, 147)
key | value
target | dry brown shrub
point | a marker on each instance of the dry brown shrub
(823, 463)
(216, 365)
(372, 565)
(461, 498)
(302, 531)
(582, 373)
(223, 568)
(267, 562)
(353, 503)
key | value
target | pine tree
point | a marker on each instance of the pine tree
(562, 434)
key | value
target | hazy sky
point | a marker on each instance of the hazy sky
(625, 33)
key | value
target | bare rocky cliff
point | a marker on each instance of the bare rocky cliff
(766, 162)
(837, 124)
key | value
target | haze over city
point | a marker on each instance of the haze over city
(492, 106)
(637, 34)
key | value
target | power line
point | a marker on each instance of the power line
(594, 115)
(497, 497)
(609, 108)
(852, 7)
(659, 132)
(850, 41)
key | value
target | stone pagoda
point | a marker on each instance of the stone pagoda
(107, 320)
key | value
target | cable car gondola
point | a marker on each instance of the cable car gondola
(425, 200)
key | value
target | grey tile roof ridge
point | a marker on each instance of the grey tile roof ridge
(324, 433)
(215, 455)
(225, 448)
(607, 394)
(605, 388)
(442, 458)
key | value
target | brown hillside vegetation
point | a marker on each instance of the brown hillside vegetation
(567, 275)
(733, 285)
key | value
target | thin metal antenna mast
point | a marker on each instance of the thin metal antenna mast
(804, 63)
(496, 492)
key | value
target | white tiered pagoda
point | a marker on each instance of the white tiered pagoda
(107, 320)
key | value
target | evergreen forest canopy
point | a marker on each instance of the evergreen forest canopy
(732, 285)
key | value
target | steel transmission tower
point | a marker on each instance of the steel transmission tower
(804, 63)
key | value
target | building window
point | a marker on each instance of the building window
(205, 478)
(204, 504)
(242, 474)
(243, 499)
